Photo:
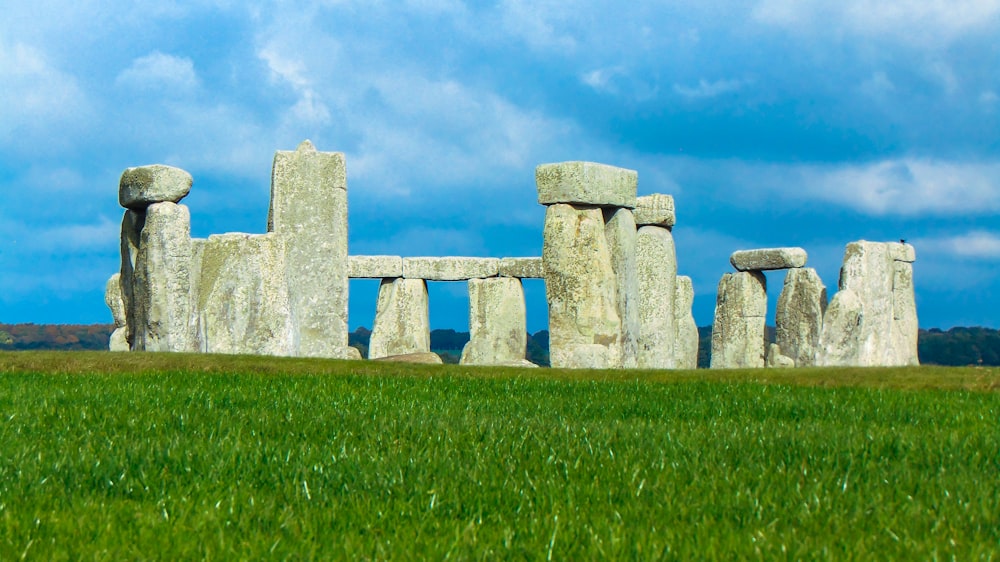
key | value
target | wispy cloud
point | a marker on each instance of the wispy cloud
(706, 89)
(167, 74)
(975, 245)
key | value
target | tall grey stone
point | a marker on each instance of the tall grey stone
(132, 224)
(497, 322)
(142, 186)
(656, 265)
(620, 230)
(162, 281)
(905, 329)
(242, 298)
(739, 334)
(402, 322)
(113, 298)
(584, 327)
(309, 210)
(839, 341)
(686, 342)
(799, 316)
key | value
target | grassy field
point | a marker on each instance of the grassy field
(150, 456)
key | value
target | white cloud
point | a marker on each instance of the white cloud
(160, 72)
(35, 94)
(975, 245)
(706, 89)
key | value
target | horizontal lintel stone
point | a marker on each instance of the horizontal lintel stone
(655, 210)
(586, 183)
(374, 267)
(522, 268)
(142, 186)
(765, 259)
(450, 268)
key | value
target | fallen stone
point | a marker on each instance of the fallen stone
(113, 298)
(768, 259)
(656, 265)
(584, 327)
(655, 210)
(586, 183)
(522, 268)
(497, 322)
(450, 268)
(402, 323)
(424, 358)
(775, 359)
(374, 267)
(799, 316)
(142, 186)
(309, 209)
(686, 342)
(118, 342)
(620, 230)
(739, 335)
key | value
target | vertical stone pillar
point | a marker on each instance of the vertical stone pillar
(309, 210)
(113, 298)
(132, 224)
(799, 316)
(402, 321)
(581, 285)
(686, 342)
(620, 230)
(739, 333)
(904, 305)
(656, 261)
(497, 322)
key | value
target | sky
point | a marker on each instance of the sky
(771, 122)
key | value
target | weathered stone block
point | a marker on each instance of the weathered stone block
(402, 322)
(118, 342)
(450, 268)
(586, 183)
(142, 186)
(902, 252)
(655, 210)
(374, 267)
(739, 335)
(132, 224)
(686, 342)
(656, 265)
(799, 316)
(424, 358)
(776, 360)
(768, 259)
(522, 268)
(113, 298)
(620, 230)
(497, 322)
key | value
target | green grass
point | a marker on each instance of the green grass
(150, 456)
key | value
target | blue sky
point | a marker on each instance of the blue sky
(772, 122)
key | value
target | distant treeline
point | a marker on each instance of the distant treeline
(957, 346)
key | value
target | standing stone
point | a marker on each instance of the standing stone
(113, 298)
(739, 334)
(497, 322)
(686, 342)
(839, 345)
(656, 264)
(799, 316)
(584, 326)
(132, 224)
(309, 210)
(620, 230)
(242, 299)
(162, 283)
(402, 321)
(142, 186)
(904, 313)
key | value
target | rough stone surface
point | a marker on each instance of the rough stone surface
(620, 230)
(142, 186)
(799, 316)
(132, 224)
(309, 209)
(904, 313)
(738, 333)
(586, 183)
(656, 264)
(162, 281)
(655, 210)
(768, 259)
(113, 298)
(776, 360)
(522, 268)
(686, 342)
(118, 341)
(242, 298)
(374, 267)
(425, 358)
(354, 354)
(497, 322)
(450, 268)
(841, 328)
(902, 252)
(584, 327)
(402, 324)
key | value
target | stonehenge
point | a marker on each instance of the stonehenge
(608, 260)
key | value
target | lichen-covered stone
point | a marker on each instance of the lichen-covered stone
(904, 314)
(142, 186)
(118, 342)
(586, 183)
(839, 344)
(738, 334)
(655, 210)
(777, 360)
(113, 298)
(584, 327)
(656, 265)
(620, 230)
(902, 252)
(522, 268)
(497, 322)
(686, 342)
(450, 268)
(799, 316)
(309, 209)
(374, 267)
(402, 322)
(766, 259)
(132, 224)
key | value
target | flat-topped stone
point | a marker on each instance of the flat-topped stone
(766, 259)
(655, 210)
(586, 183)
(450, 268)
(903, 252)
(142, 186)
(374, 267)
(522, 268)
